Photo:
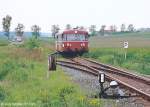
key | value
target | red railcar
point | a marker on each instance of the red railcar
(72, 41)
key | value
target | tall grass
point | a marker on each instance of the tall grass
(23, 79)
(138, 59)
(3, 42)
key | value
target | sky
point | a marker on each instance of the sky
(75, 12)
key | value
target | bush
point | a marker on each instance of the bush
(19, 75)
(119, 58)
(33, 43)
(107, 59)
(2, 94)
(5, 68)
(65, 91)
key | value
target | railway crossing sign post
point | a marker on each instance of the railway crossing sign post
(125, 45)
(101, 78)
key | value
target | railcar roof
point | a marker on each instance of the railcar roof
(75, 32)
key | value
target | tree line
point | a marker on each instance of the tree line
(35, 29)
(19, 30)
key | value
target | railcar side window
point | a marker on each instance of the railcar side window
(63, 37)
(59, 37)
(86, 37)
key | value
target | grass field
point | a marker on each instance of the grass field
(136, 40)
(23, 80)
(109, 49)
(23, 71)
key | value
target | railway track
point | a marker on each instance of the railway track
(136, 84)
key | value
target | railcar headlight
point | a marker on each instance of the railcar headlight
(63, 45)
(83, 44)
(67, 44)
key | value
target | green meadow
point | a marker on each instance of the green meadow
(23, 71)
(24, 81)
(109, 50)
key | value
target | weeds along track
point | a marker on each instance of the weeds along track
(136, 84)
(108, 68)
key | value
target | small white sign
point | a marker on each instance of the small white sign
(125, 44)
(101, 78)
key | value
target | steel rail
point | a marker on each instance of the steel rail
(91, 70)
(115, 70)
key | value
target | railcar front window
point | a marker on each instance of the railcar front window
(75, 37)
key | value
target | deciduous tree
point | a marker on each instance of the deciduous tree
(55, 29)
(6, 25)
(92, 30)
(68, 27)
(35, 31)
(113, 28)
(19, 31)
(130, 28)
(123, 27)
(102, 30)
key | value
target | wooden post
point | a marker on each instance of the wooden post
(51, 64)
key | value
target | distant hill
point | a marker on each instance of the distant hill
(26, 34)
